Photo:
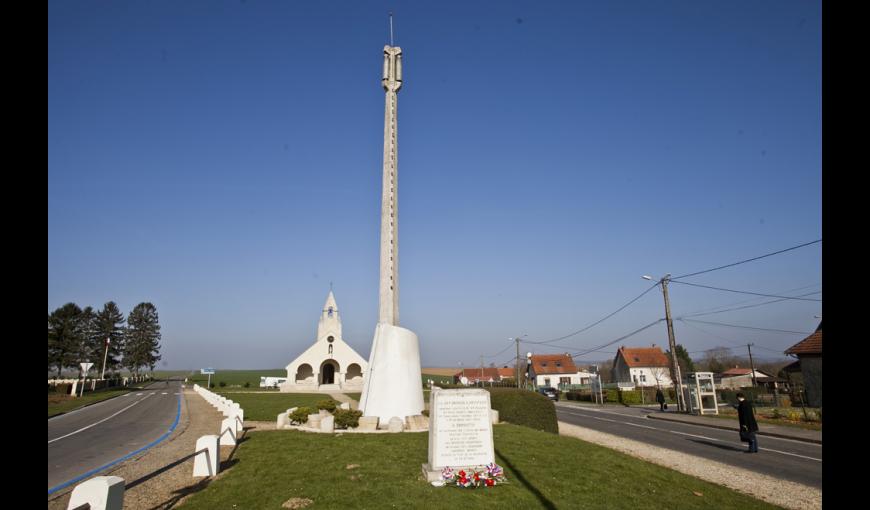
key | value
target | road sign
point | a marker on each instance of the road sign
(86, 366)
(205, 371)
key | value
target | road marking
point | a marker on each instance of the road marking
(694, 435)
(138, 394)
(731, 442)
(164, 393)
(766, 437)
(101, 421)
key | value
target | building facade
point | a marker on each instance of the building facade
(643, 366)
(329, 364)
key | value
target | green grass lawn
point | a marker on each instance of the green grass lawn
(543, 470)
(267, 406)
(355, 396)
(59, 404)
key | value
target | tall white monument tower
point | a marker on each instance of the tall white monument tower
(392, 386)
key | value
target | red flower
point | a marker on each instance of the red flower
(462, 474)
(463, 480)
(490, 483)
(476, 477)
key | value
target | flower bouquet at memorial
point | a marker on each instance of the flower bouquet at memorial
(491, 475)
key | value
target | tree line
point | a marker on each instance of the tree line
(78, 335)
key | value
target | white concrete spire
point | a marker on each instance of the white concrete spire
(388, 309)
(392, 386)
(330, 322)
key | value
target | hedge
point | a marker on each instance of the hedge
(526, 408)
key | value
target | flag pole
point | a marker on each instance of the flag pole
(103, 374)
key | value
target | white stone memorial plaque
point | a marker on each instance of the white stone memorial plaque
(460, 429)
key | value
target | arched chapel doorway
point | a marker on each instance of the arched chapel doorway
(328, 371)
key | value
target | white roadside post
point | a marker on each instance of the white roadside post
(85, 368)
(100, 492)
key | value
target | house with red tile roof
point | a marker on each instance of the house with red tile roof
(643, 366)
(556, 370)
(485, 374)
(809, 354)
(737, 377)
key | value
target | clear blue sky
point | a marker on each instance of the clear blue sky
(223, 161)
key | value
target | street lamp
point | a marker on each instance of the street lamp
(675, 366)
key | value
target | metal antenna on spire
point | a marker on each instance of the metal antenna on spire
(391, 28)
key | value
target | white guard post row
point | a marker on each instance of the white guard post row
(207, 459)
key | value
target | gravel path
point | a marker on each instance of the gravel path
(773, 490)
(160, 477)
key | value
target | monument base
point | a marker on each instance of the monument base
(392, 388)
(431, 475)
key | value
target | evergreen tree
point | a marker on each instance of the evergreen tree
(110, 325)
(63, 336)
(142, 341)
(88, 345)
(684, 360)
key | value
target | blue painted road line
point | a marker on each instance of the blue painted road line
(125, 457)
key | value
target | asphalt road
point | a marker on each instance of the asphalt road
(786, 459)
(83, 440)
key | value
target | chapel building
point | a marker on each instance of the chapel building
(329, 364)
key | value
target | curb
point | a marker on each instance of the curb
(724, 427)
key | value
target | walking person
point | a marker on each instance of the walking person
(660, 398)
(748, 425)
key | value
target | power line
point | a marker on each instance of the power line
(748, 260)
(623, 307)
(723, 338)
(747, 327)
(718, 307)
(748, 306)
(747, 292)
(501, 351)
(583, 353)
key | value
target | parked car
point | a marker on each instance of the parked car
(551, 393)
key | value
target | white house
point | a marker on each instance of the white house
(736, 378)
(643, 366)
(553, 370)
(330, 364)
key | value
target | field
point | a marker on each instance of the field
(438, 375)
(236, 379)
(383, 470)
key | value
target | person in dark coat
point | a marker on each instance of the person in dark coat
(748, 425)
(660, 398)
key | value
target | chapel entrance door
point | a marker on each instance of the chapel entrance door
(328, 374)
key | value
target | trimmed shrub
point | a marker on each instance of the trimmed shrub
(222, 384)
(300, 415)
(526, 408)
(247, 384)
(346, 418)
(630, 397)
(611, 395)
(328, 404)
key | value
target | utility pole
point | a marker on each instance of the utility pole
(752, 365)
(518, 361)
(675, 367)
(481, 370)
